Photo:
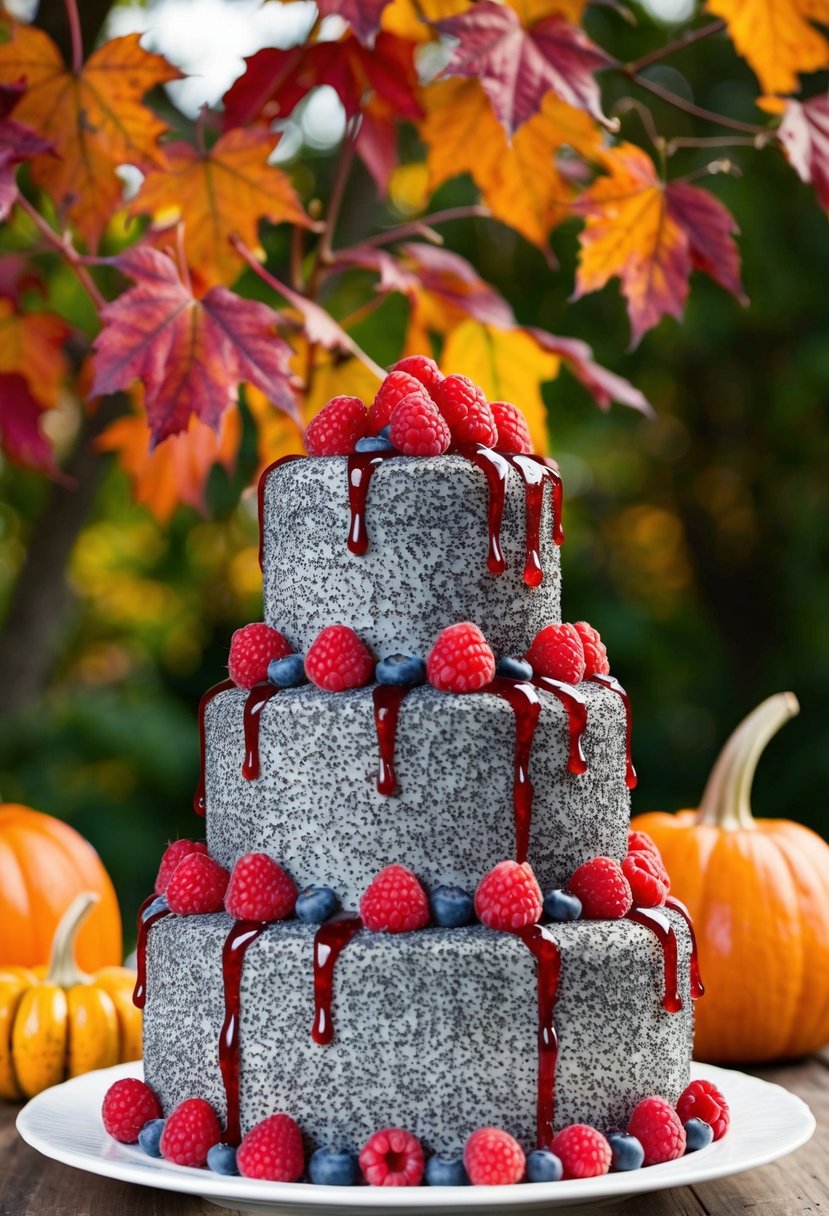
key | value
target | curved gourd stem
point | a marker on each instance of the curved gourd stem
(726, 801)
(63, 970)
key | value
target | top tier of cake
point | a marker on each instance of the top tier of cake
(400, 547)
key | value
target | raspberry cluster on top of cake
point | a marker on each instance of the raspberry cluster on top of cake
(418, 917)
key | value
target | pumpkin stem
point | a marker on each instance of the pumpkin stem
(63, 970)
(726, 801)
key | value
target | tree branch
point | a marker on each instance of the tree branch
(66, 249)
(679, 44)
(690, 107)
(419, 227)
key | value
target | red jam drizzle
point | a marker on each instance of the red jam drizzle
(263, 481)
(387, 701)
(242, 935)
(139, 995)
(676, 905)
(660, 926)
(198, 796)
(526, 706)
(576, 708)
(613, 684)
(535, 472)
(258, 698)
(361, 469)
(329, 942)
(539, 940)
(495, 468)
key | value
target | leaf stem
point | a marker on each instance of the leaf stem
(721, 141)
(181, 253)
(679, 44)
(66, 249)
(74, 19)
(690, 107)
(420, 227)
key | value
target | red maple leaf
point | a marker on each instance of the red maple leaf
(518, 67)
(20, 435)
(804, 134)
(190, 353)
(17, 143)
(604, 386)
(362, 15)
(710, 228)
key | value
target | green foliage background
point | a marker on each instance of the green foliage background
(696, 543)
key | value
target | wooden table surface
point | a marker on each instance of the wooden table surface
(31, 1185)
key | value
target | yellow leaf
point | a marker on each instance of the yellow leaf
(530, 11)
(777, 38)
(222, 192)
(408, 18)
(508, 365)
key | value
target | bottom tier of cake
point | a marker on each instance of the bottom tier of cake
(440, 1031)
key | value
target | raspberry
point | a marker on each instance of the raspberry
(418, 428)
(259, 889)
(272, 1150)
(659, 1130)
(397, 385)
(509, 897)
(557, 652)
(339, 659)
(174, 854)
(602, 888)
(641, 842)
(190, 1132)
(513, 432)
(467, 411)
(493, 1158)
(392, 1157)
(337, 427)
(423, 369)
(252, 648)
(198, 885)
(647, 879)
(127, 1106)
(394, 902)
(702, 1100)
(460, 660)
(584, 1152)
(595, 651)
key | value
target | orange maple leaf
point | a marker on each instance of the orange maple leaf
(219, 193)
(176, 470)
(521, 181)
(31, 345)
(94, 118)
(777, 38)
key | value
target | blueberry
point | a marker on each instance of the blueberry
(451, 906)
(333, 1167)
(561, 905)
(221, 1159)
(316, 904)
(513, 668)
(403, 669)
(288, 672)
(445, 1171)
(374, 443)
(149, 1138)
(385, 433)
(628, 1153)
(544, 1166)
(699, 1135)
(159, 904)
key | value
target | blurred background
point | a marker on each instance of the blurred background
(696, 541)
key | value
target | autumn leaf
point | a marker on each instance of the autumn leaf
(17, 143)
(508, 365)
(604, 386)
(804, 134)
(651, 236)
(530, 11)
(520, 180)
(21, 437)
(362, 15)
(409, 18)
(218, 193)
(95, 119)
(518, 67)
(190, 353)
(777, 38)
(31, 345)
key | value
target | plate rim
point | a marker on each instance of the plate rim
(138, 1170)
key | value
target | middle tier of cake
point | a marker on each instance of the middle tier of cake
(479, 778)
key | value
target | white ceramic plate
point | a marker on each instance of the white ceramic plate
(64, 1123)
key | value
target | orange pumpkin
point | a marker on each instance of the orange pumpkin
(44, 864)
(758, 890)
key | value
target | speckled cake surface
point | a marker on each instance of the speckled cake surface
(434, 1031)
(315, 806)
(426, 562)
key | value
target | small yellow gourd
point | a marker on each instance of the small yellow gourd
(56, 1022)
